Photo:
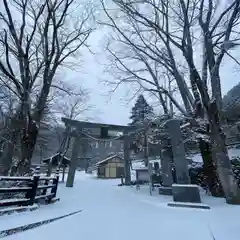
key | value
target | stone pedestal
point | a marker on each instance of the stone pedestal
(186, 193)
(165, 191)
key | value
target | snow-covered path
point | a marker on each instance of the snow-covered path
(114, 213)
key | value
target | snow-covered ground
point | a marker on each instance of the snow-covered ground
(112, 212)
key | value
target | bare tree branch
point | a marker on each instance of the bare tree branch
(37, 40)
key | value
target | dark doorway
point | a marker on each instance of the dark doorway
(119, 172)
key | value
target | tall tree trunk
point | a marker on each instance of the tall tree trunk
(30, 135)
(12, 138)
(223, 163)
(8, 152)
(209, 169)
(28, 143)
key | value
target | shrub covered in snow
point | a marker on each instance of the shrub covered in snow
(197, 176)
(11, 184)
(236, 168)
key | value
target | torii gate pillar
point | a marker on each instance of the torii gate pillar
(74, 158)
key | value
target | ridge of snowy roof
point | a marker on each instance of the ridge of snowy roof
(108, 158)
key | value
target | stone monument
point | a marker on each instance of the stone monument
(183, 191)
(166, 164)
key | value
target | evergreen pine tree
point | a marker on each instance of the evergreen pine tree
(141, 111)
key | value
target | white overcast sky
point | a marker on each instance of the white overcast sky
(115, 110)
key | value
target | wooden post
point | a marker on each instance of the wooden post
(145, 149)
(63, 174)
(122, 182)
(49, 169)
(44, 192)
(150, 172)
(73, 163)
(35, 181)
(55, 182)
(126, 149)
(145, 143)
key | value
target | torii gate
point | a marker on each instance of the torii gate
(79, 132)
(172, 126)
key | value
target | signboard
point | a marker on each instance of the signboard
(142, 174)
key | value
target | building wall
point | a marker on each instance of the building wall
(97, 150)
(112, 167)
(101, 150)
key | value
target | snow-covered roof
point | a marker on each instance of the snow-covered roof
(139, 164)
(56, 158)
(56, 154)
(108, 158)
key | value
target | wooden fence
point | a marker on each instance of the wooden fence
(44, 169)
(26, 191)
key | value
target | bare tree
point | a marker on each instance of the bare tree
(134, 60)
(8, 104)
(73, 104)
(178, 25)
(122, 66)
(38, 38)
(147, 43)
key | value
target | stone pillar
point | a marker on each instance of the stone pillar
(166, 165)
(126, 149)
(180, 162)
(73, 164)
(182, 191)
